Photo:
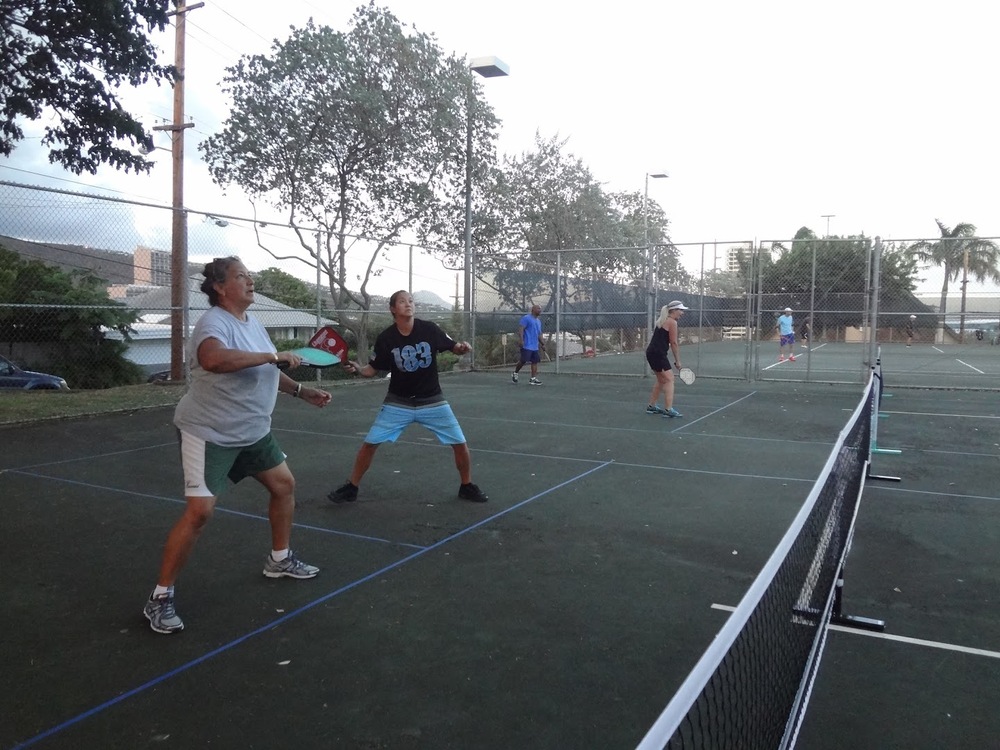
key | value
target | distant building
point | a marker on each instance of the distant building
(152, 267)
(150, 344)
(108, 265)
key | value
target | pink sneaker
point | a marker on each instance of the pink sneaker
(781, 358)
(792, 358)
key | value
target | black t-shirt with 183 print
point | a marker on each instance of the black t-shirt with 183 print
(412, 362)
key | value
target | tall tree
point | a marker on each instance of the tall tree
(71, 312)
(361, 133)
(553, 203)
(285, 288)
(959, 253)
(65, 59)
(841, 267)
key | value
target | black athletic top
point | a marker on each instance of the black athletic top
(659, 344)
(412, 362)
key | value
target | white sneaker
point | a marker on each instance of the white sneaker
(513, 377)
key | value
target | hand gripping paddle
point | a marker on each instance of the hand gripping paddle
(326, 348)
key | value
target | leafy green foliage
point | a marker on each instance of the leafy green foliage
(285, 288)
(42, 304)
(65, 58)
(959, 252)
(361, 133)
(841, 270)
(551, 202)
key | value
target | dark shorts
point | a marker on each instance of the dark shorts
(530, 356)
(658, 362)
(207, 466)
(787, 339)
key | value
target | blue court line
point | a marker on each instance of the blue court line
(291, 615)
(716, 411)
(91, 457)
(218, 509)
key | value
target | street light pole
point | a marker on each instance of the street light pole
(178, 251)
(828, 217)
(650, 274)
(487, 67)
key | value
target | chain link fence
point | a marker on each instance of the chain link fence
(91, 298)
(87, 287)
(852, 300)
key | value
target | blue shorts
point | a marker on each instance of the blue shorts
(787, 339)
(529, 356)
(392, 419)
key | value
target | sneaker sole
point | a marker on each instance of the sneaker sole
(283, 574)
(474, 499)
(165, 631)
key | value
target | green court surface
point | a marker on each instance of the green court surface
(973, 366)
(563, 613)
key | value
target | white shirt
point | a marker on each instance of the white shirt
(231, 409)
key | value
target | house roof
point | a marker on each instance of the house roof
(155, 307)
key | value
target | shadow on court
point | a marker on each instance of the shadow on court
(563, 613)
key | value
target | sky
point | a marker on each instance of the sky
(871, 116)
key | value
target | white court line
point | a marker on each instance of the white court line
(970, 366)
(937, 350)
(899, 638)
(938, 414)
(812, 349)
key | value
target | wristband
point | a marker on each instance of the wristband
(297, 391)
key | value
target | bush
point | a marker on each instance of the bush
(99, 364)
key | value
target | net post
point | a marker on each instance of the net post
(837, 616)
(875, 416)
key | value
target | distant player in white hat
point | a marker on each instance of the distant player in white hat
(786, 329)
(663, 342)
(909, 329)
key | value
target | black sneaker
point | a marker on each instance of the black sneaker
(347, 493)
(471, 492)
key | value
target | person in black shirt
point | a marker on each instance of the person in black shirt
(664, 341)
(408, 351)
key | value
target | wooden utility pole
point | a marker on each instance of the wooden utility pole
(178, 249)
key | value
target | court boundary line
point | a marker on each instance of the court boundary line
(897, 638)
(937, 414)
(120, 698)
(935, 493)
(217, 509)
(981, 372)
(716, 411)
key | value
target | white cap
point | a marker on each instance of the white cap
(913, 317)
(788, 309)
(677, 305)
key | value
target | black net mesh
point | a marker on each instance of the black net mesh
(754, 696)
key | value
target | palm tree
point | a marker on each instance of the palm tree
(959, 252)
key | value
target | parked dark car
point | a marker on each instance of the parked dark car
(12, 376)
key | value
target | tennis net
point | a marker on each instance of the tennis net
(751, 686)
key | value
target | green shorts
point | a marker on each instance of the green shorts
(207, 466)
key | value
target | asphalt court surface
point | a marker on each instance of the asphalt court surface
(563, 613)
